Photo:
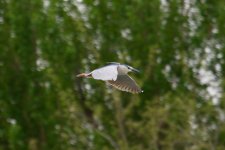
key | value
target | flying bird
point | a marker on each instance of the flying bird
(115, 74)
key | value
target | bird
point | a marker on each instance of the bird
(115, 74)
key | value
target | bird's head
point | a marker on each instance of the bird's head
(131, 69)
(127, 68)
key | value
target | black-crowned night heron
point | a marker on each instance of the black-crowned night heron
(115, 74)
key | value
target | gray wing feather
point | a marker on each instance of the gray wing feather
(125, 83)
(113, 63)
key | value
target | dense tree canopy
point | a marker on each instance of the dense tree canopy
(178, 46)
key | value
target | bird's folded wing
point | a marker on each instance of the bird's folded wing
(125, 83)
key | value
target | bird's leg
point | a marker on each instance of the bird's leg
(85, 75)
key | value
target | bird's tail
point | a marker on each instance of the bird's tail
(84, 75)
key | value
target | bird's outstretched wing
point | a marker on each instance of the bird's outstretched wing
(125, 83)
(105, 73)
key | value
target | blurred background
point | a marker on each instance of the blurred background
(178, 46)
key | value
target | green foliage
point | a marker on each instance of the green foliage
(177, 45)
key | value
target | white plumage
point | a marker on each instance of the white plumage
(105, 73)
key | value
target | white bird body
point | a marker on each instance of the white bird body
(105, 73)
(117, 75)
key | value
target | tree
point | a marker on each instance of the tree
(178, 46)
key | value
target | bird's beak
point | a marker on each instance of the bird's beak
(135, 70)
